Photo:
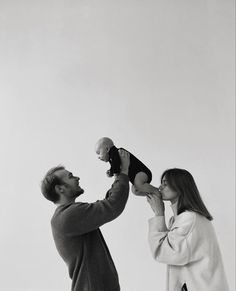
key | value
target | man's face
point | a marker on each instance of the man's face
(102, 152)
(71, 187)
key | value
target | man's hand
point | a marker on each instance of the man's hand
(125, 161)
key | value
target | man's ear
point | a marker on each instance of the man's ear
(59, 189)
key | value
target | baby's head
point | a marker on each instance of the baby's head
(102, 148)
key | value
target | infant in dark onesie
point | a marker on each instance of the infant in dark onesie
(139, 175)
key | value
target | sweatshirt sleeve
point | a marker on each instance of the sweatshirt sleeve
(171, 246)
(79, 218)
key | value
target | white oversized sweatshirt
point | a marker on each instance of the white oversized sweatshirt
(190, 249)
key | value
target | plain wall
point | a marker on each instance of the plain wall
(155, 76)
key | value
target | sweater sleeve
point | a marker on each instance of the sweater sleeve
(171, 246)
(79, 218)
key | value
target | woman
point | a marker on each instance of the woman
(189, 245)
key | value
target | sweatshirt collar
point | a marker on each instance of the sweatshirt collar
(174, 207)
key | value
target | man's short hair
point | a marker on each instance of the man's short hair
(49, 182)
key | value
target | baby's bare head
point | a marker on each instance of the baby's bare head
(102, 148)
(104, 142)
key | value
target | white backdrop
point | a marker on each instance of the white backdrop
(156, 76)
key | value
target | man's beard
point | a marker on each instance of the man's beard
(79, 192)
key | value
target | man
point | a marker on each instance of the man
(75, 227)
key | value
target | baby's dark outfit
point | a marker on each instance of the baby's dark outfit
(135, 167)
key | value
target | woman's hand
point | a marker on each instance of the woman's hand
(156, 203)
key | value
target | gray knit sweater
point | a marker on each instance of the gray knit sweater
(79, 241)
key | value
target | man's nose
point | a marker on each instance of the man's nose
(160, 188)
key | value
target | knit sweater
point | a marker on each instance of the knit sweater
(190, 249)
(79, 241)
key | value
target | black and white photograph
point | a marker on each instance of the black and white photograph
(117, 152)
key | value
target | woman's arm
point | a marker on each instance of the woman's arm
(171, 246)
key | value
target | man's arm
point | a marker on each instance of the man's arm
(81, 218)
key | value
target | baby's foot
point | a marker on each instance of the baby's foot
(137, 192)
(148, 188)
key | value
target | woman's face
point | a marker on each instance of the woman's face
(167, 193)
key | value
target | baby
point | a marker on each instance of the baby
(139, 175)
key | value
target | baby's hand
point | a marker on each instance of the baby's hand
(109, 173)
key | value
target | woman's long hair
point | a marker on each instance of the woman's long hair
(189, 198)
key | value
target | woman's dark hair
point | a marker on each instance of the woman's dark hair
(49, 182)
(183, 183)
